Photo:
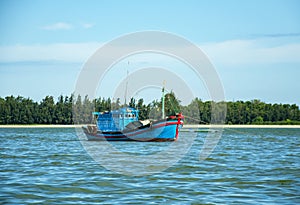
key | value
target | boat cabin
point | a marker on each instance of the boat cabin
(116, 120)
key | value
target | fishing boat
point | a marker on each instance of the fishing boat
(123, 125)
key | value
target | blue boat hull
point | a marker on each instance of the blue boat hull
(164, 130)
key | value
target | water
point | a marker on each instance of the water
(248, 166)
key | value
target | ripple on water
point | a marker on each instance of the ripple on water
(50, 166)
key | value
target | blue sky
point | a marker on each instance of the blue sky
(254, 45)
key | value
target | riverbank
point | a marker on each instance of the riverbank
(40, 126)
(240, 126)
(185, 126)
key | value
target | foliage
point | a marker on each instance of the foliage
(77, 110)
(240, 112)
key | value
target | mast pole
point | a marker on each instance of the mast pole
(125, 96)
(163, 101)
(126, 87)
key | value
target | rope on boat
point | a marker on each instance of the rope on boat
(197, 120)
(207, 123)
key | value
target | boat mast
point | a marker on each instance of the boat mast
(163, 101)
(126, 87)
(126, 92)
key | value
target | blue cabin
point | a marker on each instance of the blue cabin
(116, 120)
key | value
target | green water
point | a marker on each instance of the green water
(248, 166)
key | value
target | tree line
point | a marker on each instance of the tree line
(242, 112)
(78, 110)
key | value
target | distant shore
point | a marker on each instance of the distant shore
(185, 126)
(241, 126)
(40, 126)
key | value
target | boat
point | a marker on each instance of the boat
(123, 125)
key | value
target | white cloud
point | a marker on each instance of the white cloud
(241, 52)
(58, 26)
(67, 52)
(66, 26)
(87, 25)
(235, 52)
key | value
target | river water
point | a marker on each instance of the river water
(248, 166)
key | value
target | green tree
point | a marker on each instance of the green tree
(143, 109)
(132, 103)
(59, 115)
(172, 104)
(191, 112)
(46, 110)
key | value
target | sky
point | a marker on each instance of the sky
(253, 45)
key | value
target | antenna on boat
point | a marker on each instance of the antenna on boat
(126, 87)
(163, 101)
